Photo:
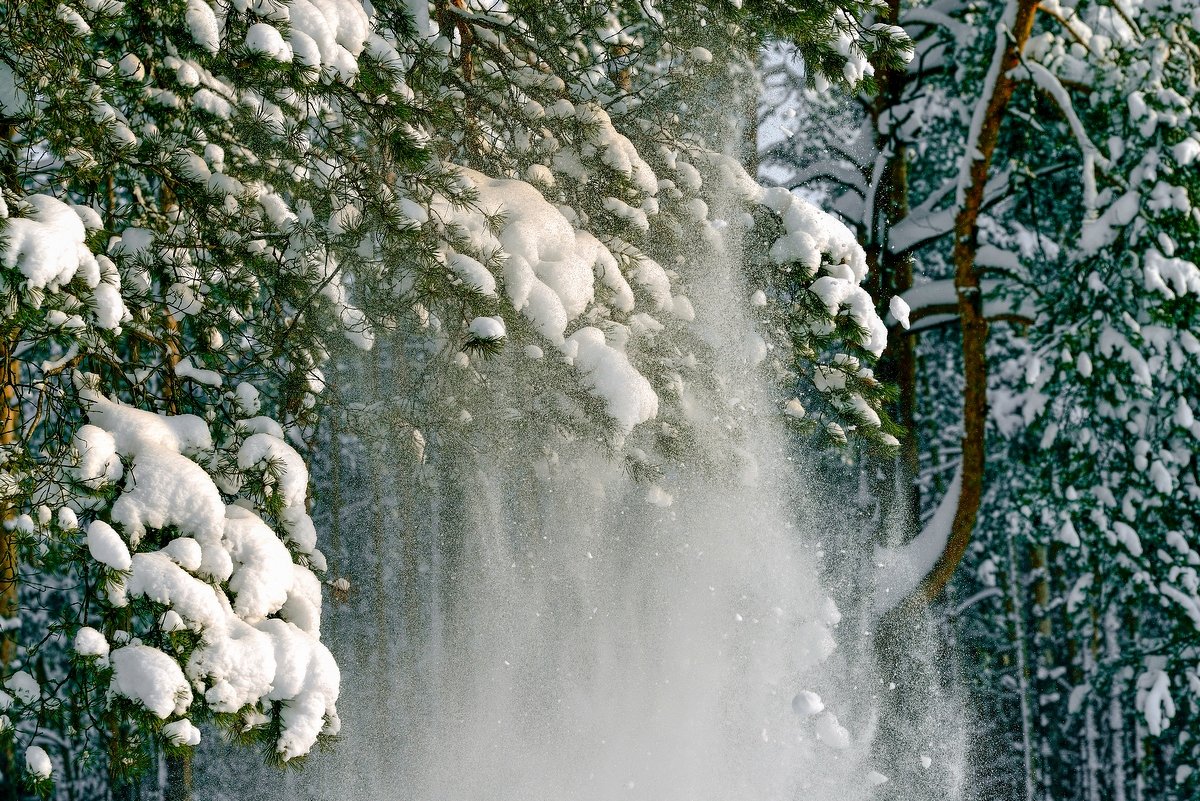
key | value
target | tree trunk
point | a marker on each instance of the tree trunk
(1016, 618)
(1116, 709)
(1091, 730)
(450, 21)
(891, 274)
(1011, 33)
(904, 673)
(179, 777)
(10, 418)
(10, 414)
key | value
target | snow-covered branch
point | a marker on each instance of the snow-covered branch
(900, 570)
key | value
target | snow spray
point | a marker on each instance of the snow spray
(567, 634)
(593, 640)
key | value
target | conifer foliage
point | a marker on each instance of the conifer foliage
(201, 200)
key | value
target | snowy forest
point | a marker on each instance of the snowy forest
(644, 400)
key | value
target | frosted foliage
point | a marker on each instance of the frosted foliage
(615, 640)
(627, 395)
(266, 39)
(89, 642)
(134, 430)
(261, 425)
(616, 150)
(23, 686)
(473, 273)
(262, 575)
(1154, 700)
(547, 275)
(106, 546)
(108, 308)
(185, 552)
(303, 604)
(202, 22)
(226, 575)
(323, 34)
(150, 677)
(609, 272)
(48, 249)
(247, 398)
(487, 327)
(354, 325)
(213, 602)
(337, 29)
(289, 476)
(1109, 387)
(1170, 276)
(167, 489)
(156, 576)
(181, 732)
(98, 462)
(552, 269)
(171, 490)
(301, 532)
(266, 449)
(306, 680)
(824, 245)
(38, 763)
(48, 245)
(235, 665)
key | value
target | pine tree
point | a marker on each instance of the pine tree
(176, 248)
(196, 194)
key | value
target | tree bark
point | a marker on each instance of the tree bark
(1016, 623)
(891, 274)
(1116, 766)
(1012, 33)
(10, 419)
(10, 414)
(448, 20)
(903, 672)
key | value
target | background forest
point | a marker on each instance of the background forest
(308, 302)
(1071, 617)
